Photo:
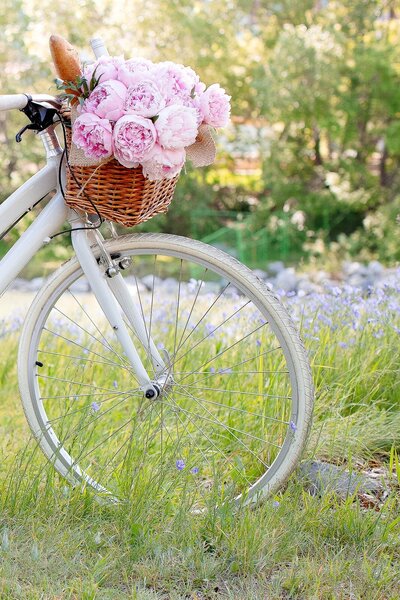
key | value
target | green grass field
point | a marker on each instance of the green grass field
(60, 543)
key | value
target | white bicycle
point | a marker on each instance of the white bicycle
(152, 359)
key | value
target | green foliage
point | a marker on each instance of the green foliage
(318, 82)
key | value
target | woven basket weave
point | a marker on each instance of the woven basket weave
(119, 194)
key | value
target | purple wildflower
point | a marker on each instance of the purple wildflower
(293, 426)
(95, 406)
(276, 504)
(180, 464)
(194, 470)
(115, 384)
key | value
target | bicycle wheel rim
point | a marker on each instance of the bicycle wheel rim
(296, 417)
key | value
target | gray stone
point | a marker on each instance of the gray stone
(80, 286)
(352, 268)
(35, 284)
(321, 277)
(321, 477)
(212, 287)
(286, 280)
(149, 281)
(357, 280)
(306, 287)
(275, 267)
(136, 284)
(169, 285)
(375, 270)
(19, 284)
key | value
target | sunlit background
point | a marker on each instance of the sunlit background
(308, 170)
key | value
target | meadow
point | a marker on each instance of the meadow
(57, 542)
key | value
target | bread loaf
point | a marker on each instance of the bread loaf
(65, 58)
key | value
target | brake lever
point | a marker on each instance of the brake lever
(18, 137)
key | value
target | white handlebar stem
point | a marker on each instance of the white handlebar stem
(11, 101)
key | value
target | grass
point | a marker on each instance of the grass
(57, 542)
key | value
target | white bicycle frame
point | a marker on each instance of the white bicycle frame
(111, 293)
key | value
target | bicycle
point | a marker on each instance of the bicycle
(179, 369)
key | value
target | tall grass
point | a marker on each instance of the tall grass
(59, 542)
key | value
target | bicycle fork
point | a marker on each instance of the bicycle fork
(113, 296)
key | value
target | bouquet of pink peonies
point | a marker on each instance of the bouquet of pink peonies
(146, 115)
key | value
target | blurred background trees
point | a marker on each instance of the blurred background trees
(310, 166)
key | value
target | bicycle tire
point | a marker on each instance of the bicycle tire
(37, 384)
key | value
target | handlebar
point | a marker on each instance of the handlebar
(19, 101)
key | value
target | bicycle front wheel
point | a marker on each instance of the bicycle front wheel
(232, 419)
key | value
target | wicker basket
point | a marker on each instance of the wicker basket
(119, 194)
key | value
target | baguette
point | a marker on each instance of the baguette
(65, 58)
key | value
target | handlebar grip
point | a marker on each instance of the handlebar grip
(10, 101)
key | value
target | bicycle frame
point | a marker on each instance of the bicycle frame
(111, 293)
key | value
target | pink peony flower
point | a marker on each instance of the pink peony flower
(134, 138)
(93, 135)
(176, 82)
(107, 100)
(176, 126)
(106, 68)
(130, 69)
(163, 164)
(215, 106)
(143, 98)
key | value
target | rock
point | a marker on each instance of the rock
(80, 286)
(321, 477)
(149, 281)
(352, 268)
(213, 287)
(358, 280)
(375, 270)
(275, 267)
(135, 284)
(169, 285)
(306, 287)
(321, 277)
(286, 280)
(19, 284)
(35, 284)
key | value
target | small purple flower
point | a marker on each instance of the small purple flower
(180, 464)
(115, 384)
(343, 344)
(226, 370)
(212, 369)
(95, 407)
(258, 343)
(194, 470)
(276, 504)
(293, 426)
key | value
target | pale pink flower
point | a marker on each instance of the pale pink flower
(176, 126)
(176, 82)
(107, 100)
(143, 98)
(130, 69)
(215, 106)
(93, 135)
(163, 163)
(134, 138)
(106, 68)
